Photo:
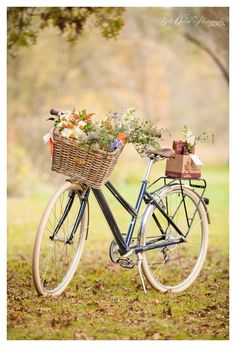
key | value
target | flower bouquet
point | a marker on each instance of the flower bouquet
(87, 150)
(186, 163)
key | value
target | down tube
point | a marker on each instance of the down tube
(111, 221)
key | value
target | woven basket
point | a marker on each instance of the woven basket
(92, 167)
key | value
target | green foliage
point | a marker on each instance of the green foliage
(25, 23)
(109, 21)
(20, 27)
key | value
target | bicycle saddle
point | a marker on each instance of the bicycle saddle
(164, 152)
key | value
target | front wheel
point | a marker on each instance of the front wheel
(174, 267)
(54, 260)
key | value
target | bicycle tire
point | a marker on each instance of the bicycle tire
(154, 259)
(46, 286)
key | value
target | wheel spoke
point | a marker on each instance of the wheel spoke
(56, 257)
(173, 265)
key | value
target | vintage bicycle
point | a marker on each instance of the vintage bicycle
(171, 242)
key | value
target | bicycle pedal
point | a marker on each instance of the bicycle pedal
(127, 263)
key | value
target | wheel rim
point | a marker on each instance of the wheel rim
(174, 266)
(57, 258)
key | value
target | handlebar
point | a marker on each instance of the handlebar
(55, 112)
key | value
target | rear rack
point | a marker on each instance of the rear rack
(199, 183)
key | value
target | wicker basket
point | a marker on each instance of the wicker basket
(92, 167)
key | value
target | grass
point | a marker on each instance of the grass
(105, 301)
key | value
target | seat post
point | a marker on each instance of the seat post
(151, 160)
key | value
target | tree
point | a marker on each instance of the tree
(25, 23)
(208, 29)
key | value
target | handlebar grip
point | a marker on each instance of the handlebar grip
(54, 112)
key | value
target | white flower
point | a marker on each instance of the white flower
(187, 133)
(66, 117)
(191, 140)
(78, 132)
(81, 124)
(130, 110)
(67, 132)
(82, 137)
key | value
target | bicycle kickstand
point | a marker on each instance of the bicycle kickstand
(140, 259)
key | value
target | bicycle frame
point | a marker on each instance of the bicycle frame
(144, 195)
(124, 243)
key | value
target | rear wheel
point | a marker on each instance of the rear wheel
(54, 260)
(175, 267)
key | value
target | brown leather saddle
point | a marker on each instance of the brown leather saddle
(164, 152)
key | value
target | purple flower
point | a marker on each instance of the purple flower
(116, 144)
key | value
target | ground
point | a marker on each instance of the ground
(105, 301)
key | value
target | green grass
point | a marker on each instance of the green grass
(105, 301)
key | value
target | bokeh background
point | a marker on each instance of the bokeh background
(162, 62)
(172, 65)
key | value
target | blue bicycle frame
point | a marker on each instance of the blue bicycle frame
(124, 243)
(144, 195)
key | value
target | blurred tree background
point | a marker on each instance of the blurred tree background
(170, 63)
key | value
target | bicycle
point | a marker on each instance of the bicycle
(170, 247)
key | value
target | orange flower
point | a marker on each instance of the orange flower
(75, 116)
(121, 136)
(108, 125)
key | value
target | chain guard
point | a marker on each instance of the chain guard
(114, 252)
(117, 258)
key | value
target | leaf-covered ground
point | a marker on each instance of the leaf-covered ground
(105, 301)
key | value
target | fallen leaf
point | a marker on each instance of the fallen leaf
(156, 336)
(167, 312)
(80, 335)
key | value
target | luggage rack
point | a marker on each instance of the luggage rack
(196, 183)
